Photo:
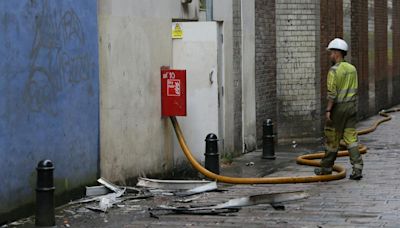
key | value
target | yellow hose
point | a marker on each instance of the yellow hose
(307, 159)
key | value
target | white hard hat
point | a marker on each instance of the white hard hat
(338, 44)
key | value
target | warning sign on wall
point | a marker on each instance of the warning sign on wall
(173, 87)
(177, 32)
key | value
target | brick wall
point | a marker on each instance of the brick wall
(237, 75)
(359, 54)
(381, 62)
(347, 26)
(396, 51)
(298, 74)
(371, 57)
(390, 53)
(331, 27)
(265, 64)
(303, 30)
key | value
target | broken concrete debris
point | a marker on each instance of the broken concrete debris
(108, 194)
(130, 189)
(96, 190)
(110, 185)
(200, 189)
(271, 198)
(177, 187)
(170, 184)
(193, 211)
(184, 191)
(107, 201)
(187, 200)
(234, 205)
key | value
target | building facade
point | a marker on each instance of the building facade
(80, 82)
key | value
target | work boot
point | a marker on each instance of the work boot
(355, 158)
(326, 163)
(323, 171)
(328, 160)
(356, 174)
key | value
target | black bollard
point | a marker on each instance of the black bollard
(45, 194)
(211, 155)
(268, 140)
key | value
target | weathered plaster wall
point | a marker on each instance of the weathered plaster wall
(135, 41)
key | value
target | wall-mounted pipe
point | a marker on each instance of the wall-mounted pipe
(209, 10)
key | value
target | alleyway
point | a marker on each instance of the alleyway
(372, 202)
(90, 85)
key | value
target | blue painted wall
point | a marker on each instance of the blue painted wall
(49, 95)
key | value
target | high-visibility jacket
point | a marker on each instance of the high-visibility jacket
(342, 83)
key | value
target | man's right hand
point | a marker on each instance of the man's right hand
(328, 117)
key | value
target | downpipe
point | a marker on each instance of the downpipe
(308, 159)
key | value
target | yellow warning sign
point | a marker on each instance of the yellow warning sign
(177, 32)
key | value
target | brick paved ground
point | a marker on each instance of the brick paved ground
(372, 202)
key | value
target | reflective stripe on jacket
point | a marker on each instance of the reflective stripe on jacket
(342, 83)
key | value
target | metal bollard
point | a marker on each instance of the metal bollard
(211, 155)
(44, 215)
(268, 140)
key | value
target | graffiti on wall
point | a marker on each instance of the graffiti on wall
(57, 58)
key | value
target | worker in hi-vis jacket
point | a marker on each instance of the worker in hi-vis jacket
(341, 111)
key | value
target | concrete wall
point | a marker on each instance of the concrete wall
(135, 41)
(48, 97)
(248, 75)
(298, 73)
(237, 76)
(223, 12)
(244, 75)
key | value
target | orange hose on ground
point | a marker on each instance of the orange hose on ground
(307, 159)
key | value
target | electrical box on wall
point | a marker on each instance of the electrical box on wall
(173, 92)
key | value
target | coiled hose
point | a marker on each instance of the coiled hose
(308, 159)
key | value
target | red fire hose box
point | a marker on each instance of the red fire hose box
(173, 92)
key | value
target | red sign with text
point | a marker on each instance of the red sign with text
(173, 92)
